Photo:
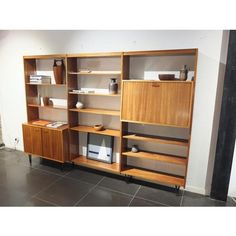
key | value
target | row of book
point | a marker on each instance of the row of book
(40, 79)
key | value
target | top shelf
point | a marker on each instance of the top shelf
(191, 51)
(156, 81)
(102, 54)
(95, 73)
(53, 56)
(45, 84)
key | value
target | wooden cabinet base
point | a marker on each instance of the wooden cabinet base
(51, 144)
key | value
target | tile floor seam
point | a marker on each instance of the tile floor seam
(59, 178)
(81, 181)
(46, 201)
(134, 195)
(35, 168)
(116, 191)
(148, 200)
(49, 171)
(182, 198)
(88, 192)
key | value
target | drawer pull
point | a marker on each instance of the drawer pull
(156, 85)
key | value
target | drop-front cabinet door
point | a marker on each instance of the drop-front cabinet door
(164, 103)
(52, 144)
(32, 139)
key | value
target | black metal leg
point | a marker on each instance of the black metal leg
(62, 166)
(177, 188)
(30, 159)
(128, 178)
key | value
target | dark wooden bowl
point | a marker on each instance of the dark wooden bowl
(167, 77)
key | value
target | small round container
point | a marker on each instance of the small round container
(98, 127)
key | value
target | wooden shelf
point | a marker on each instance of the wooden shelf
(59, 85)
(83, 161)
(96, 94)
(191, 51)
(48, 107)
(154, 176)
(157, 139)
(101, 54)
(52, 56)
(97, 111)
(95, 73)
(156, 81)
(89, 129)
(157, 157)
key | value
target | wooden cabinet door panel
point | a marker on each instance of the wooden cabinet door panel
(27, 138)
(36, 141)
(46, 144)
(157, 102)
(52, 144)
(32, 139)
(56, 143)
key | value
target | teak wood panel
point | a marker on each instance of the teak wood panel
(32, 139)
(157, 103)
(52, 144)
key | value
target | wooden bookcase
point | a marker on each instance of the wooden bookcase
(156, 115)
(101, 66)
(48, 143)
(165, 104)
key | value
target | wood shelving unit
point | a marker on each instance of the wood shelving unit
(156, 157)
(74, 77)
(143, 102)
(156, 103)
(89, 129)
(46, 142)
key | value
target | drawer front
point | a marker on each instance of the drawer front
(164, 103)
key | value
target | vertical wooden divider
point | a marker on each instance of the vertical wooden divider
(73, 117)
(123, 125)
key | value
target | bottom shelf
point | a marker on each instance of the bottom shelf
(83, 161)
(154, 176)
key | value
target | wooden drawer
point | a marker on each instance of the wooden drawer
(164, 103)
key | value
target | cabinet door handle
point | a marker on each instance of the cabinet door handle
(156, 85)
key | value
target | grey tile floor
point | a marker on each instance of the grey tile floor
(44, 184)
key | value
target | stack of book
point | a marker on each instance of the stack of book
(40, 79)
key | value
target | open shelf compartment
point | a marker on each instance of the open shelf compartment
(154, 176)
(157, 157)
(83, 161)
(90, 129)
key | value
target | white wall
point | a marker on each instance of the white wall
(15, 44)
(232, 183)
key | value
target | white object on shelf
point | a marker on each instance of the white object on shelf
(56, 124)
